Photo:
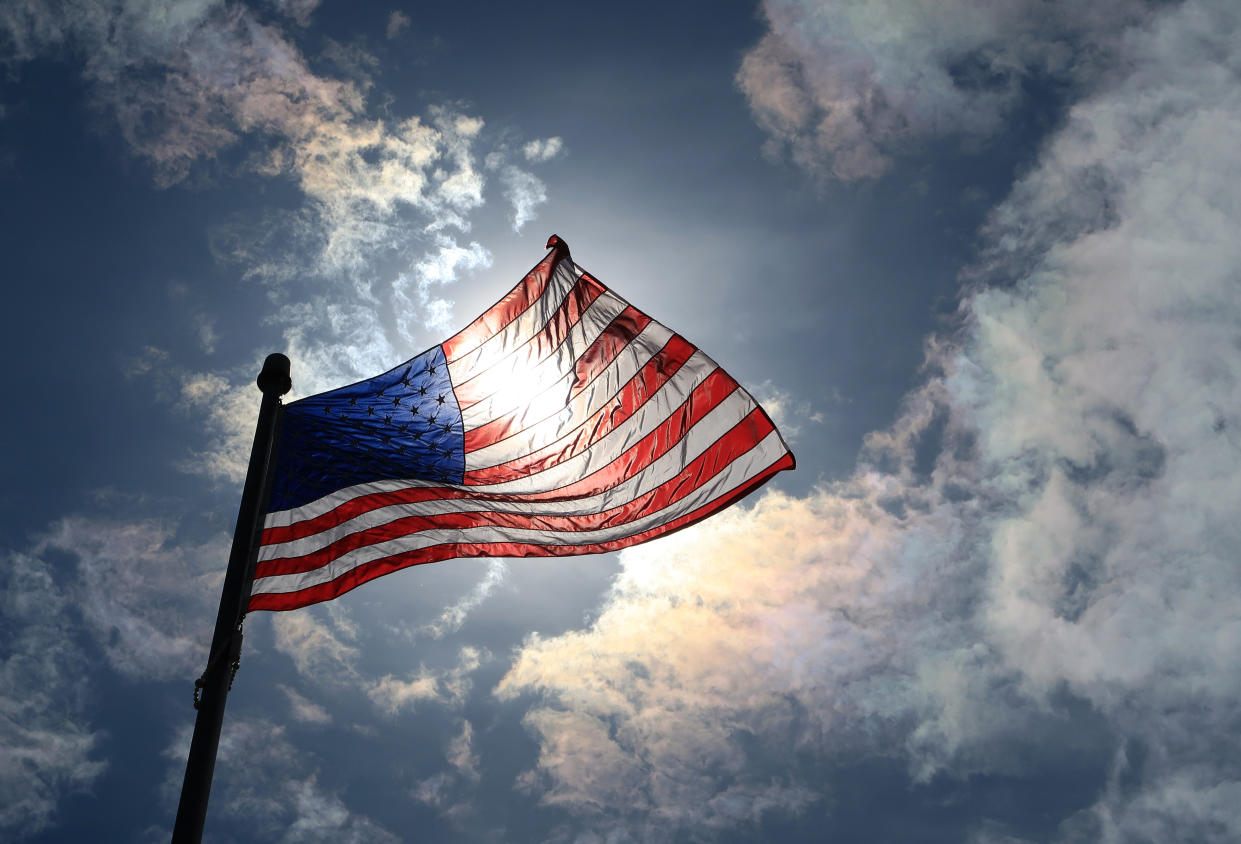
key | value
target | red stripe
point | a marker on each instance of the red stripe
(620, 332)
(639, 388)
(369, 571)
(698, 472)
(513, 305)
(714, 388)
(642, 454)
(535, 349)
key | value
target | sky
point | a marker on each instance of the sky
(978, 260)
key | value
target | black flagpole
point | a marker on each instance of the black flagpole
(216, 679)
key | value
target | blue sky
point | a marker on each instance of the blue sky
(979, 261)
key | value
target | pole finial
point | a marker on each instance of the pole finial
(275, 376)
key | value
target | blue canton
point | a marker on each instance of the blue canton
(402, 424)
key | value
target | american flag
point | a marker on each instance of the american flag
(562, 421)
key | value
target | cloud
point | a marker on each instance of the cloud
(228, 413)
(461, 753)
(128, 591)
(544, 149)
(450, 792)
(418, 294)
(305, 710)
(210, 89)
(1047, 527)
(273, 795)
(844, 86)
(524, 191)
(451, 619)
(790, 413)
(397, 22)
(448, 687)
(49, 747)
(145, 596)
(299, 10)
(320, 649)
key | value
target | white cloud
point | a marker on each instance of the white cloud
(299, 10)
(420, 304)
(449, 791)
(447, 687)
(525, 192)
(210, 83)
(451, 619)
(842, 86)
(461, 753)
(146, 597)
(434, 790)
(397, 22)
(204, 327)
(304, 709)
(229, 413)
(47, 746)
(320, 649)
(274, 793)
(126, 590)
(790, 413)
(1074, 536)
(542, 149)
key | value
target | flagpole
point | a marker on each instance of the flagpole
(274, 382)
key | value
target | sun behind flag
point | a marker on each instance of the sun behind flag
(562, 421)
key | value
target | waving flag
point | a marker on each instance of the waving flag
(561, 421)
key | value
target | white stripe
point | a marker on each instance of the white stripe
(543, 375)
(741, 470)
(715, 424)
(511, 336)
(648, 417)
(668, 397)
(546, 424)
(501, 373)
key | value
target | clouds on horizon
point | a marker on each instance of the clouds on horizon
(1072, 540)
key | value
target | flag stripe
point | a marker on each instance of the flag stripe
(545, 444)
(550, 414)
(365, 573)
(524, 311)
(755, 462)
(623, 330)
(550, 377)
(591, 385)
(535, 349)
(658, 457)
(623, 436)
(563, 518)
